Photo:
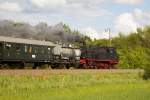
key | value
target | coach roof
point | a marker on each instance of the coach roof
(25, 41)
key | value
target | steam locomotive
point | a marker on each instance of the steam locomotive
(17, 51)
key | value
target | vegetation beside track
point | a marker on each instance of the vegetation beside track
(73, 85)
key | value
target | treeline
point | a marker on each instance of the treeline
(133, 49)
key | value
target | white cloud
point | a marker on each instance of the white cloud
(57, 3)
(143, 18)
(132, 2)
(129, 22)
(78, 9)
(86, 3)
(85, 14)
(126, 23)
(10, 7)
(31, 18)
(48, 3)
(94, 34)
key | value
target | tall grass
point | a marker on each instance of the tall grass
(78, 86)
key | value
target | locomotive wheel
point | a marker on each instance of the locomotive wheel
(22, 65)
(84, 66)
(62, 66)
(16, 65)
(112, 67)
(5, 66)
(49, 66)
(0, 66)
(59, 66)
(102, 66)
(52, 66)
(35, 66)
(67, 66)
(105, 66)
(75, 66)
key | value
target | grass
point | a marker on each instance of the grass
(75, 85)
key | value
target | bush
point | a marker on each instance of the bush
(146, 75)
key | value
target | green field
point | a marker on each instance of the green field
(73, 85)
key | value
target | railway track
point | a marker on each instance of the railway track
(64, 71)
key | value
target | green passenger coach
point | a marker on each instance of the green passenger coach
(16, 50)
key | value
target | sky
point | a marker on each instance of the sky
(90, 17)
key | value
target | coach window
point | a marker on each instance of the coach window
(35, 49)
(18, 47)
(42, 51)
(25, 48)
(49, 49)
(30, 49)
(52, 50)
(8, 46)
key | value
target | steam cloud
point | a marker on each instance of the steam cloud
(40, 31)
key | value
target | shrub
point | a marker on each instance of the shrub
(146, 75)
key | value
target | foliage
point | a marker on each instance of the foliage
(133, 49)
(146, 74)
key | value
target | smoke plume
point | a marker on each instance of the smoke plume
(40, 31)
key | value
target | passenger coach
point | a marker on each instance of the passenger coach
(21, 51)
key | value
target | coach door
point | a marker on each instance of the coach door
(1, 48)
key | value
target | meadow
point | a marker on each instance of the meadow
(73, 85)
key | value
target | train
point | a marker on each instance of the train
(20, 52)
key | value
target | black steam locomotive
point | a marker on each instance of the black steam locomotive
(97, 57)
(16, 51)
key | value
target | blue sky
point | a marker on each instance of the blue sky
(91, 17)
